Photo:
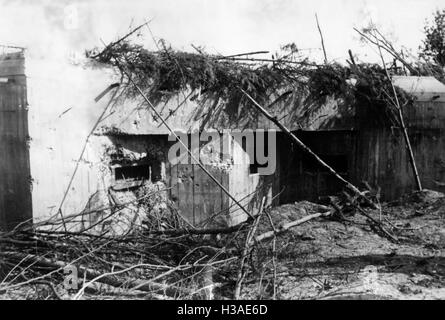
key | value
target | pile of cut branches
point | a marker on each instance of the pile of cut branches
(186, 263)
(86, 265)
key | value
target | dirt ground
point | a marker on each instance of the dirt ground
(332, 259)
(325, 259)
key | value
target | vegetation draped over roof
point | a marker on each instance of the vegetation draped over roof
(302, 84)
(167, 72)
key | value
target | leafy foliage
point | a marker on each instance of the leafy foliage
(365, 86)
(434, 43)
(167, 72)
(329, 80)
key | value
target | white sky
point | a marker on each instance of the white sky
(60, 27)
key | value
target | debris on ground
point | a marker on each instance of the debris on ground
(325, 259)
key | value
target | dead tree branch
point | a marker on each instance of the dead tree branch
(403, 126)
(322, 41)
(285, 227)
(245, 253)
(185, 146)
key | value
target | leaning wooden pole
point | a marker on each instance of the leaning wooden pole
(307, 150)
(197, 161)
(412, 161)
(408, 145)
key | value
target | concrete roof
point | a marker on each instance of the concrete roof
(423, 88)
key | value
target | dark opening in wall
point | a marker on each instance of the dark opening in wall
(137, 172)
(338, 162)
